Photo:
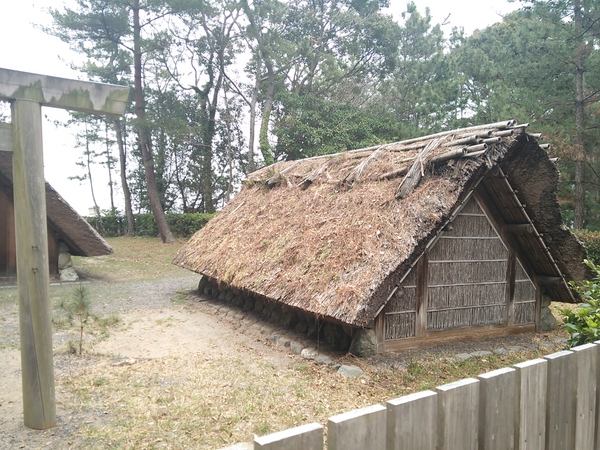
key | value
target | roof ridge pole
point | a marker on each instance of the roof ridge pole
(39, 406)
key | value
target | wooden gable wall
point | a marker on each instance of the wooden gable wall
(468, 281)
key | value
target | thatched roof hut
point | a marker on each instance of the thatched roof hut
(453, 230)
(66, 228)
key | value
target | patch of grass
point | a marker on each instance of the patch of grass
(134, 258)
(180, 298)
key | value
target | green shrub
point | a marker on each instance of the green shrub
(182, 225)
(591, 242)
(583, 323)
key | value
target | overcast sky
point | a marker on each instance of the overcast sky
(24, 46)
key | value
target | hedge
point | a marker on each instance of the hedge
(182, 225)
(591, 242)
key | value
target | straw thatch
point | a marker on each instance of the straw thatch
(81, 238)
(334, 235)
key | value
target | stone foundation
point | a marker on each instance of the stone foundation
(336, 336)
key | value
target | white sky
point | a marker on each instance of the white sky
(23, 46)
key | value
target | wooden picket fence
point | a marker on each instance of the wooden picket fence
(547, 403)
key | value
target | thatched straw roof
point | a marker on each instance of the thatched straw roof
(333, 235)
(74, 230)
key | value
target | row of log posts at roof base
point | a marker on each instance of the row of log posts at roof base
(430, 239)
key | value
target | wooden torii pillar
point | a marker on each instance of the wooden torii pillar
(27, 93)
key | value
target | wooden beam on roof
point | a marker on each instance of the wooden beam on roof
(6, 137)
(548, 281)
(63, 93)
(520, 228)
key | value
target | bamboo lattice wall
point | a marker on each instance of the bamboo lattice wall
(465, 283)
(467, 274)
(524, 297)
(401, 310)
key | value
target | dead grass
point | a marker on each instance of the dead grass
(134, 258)
(212, 401)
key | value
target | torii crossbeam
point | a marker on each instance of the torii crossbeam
(27, 93)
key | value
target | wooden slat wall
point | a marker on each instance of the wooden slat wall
(467, 274)
(524, 297)
(400, 312)
(469, 278)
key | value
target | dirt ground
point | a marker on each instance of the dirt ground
(165, 330)
(158, 324)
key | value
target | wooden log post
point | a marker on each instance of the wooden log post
(560, 401)
(497, 409)
(358, 429)
(412, 421)
(585, 406)
(458, 415)
(27, 93)
(530, 407)
(305, 437)
(39, 411)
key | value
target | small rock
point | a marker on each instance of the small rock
(561, 341)
(464, 356)
(401, 366)
(324, 359)
(274, 338)
(443, 359)
(239, 316)
(516, 348)
(547, 344)
(500, 351)
(481, 353)
(296, 347)
(530, 346)
(309, 353)
(284, 342)
(351, 371)
(266, 330)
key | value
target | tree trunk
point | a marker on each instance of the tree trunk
(123, 166)
(251, 164)
(144, 141)
(263, 138)
(579, 203)
(109, 163)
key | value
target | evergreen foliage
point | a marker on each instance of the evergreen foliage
(583, 323)
(182, 225)
(232, 86)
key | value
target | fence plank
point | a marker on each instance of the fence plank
(358, 429)
(497, 409)
(305, 437)
(597, 378)
(412, 421)
(458, 413)
(585, 408)
(560, 401)
(530, 407)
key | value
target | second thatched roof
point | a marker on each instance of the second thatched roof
(81, 238)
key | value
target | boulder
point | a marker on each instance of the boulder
(351, 371)
(548, 321)
(364, 343)
(68, 274)
(64, 260)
